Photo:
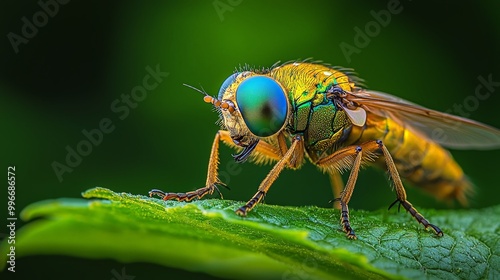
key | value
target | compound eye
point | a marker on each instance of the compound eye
(263, 105)
(229, 80)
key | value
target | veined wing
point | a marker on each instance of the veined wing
(448, 130)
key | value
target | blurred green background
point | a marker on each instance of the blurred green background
(65, 78)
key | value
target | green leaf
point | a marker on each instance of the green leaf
(272, 242)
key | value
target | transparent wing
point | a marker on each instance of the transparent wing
(448, 130)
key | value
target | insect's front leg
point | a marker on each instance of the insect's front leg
(212, 179)
(264, 150)
(289, 158)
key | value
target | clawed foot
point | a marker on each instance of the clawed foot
(188, 196)
(243, 210)
(409, 208)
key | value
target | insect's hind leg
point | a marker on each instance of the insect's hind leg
(337, 160)
(401, 193)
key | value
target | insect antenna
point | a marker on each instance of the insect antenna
(219, 104)
(202, 91)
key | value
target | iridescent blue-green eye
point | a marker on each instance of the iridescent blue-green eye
(226, 84)
(262, 104)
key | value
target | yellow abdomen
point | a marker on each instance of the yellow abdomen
(418, 159)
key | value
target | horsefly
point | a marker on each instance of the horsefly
(301, 110)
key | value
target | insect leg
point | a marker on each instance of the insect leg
(212, 180)
(337, 185)
(401, 193)
(342, 159)
(345, 196)
(263, 148)
(291, 153)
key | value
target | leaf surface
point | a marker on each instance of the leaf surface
(273, 242)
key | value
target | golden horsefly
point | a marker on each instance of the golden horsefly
(298, 110)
